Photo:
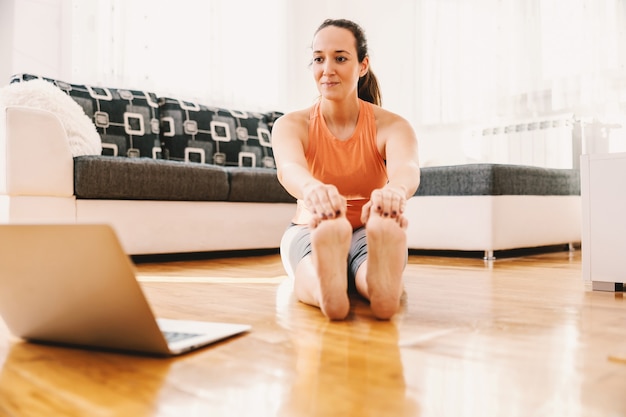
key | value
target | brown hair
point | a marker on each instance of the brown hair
(368, 88)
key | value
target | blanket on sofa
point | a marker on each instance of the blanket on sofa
(83, 138)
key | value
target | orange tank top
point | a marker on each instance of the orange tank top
(353, 165)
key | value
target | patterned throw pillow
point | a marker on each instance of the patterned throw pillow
(127, 120)
(197, 133)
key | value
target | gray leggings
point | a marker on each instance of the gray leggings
(296, 244)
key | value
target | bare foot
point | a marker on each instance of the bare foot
(330, 243)
(386, 242)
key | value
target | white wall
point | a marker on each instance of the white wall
(35, 37)
(6, 39)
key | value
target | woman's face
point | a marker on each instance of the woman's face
(336, 66)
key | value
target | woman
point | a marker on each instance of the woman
(351, 165)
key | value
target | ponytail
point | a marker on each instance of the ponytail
(369, 90)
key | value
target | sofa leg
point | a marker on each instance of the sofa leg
(571, 247)
(489, 256)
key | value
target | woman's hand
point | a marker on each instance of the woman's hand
(323, 202)
(386, 202)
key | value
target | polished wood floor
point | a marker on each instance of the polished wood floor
(519, 336)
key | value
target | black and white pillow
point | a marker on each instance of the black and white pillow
(194, 132)
(127, 120)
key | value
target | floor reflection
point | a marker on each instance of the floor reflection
(49, 380)
(348, 368)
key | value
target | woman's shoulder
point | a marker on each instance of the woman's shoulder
(385, 118)
(292, 123)
(297, 116)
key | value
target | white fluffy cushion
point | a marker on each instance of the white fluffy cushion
(81, 132)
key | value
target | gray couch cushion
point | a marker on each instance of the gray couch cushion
(497, 179)
(104, 177)
(256, 185)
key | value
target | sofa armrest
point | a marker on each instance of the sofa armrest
(35, 158)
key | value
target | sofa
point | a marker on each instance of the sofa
(177, 176)
(217, 191)
(495, 207)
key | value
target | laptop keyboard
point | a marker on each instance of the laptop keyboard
(176, 336)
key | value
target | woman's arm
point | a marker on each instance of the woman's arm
(289, 141)
(398, 145)
(402, 157)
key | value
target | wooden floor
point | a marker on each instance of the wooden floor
(519, 336)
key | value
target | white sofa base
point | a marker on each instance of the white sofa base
(464, 223)
(37, 209)
(151, 227)
(492, 223)
(155, 227)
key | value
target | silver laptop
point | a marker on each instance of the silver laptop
(73, 284)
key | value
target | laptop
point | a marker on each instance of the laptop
(73, 284)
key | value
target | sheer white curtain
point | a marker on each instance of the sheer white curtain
(221, 52)
(493, 59)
